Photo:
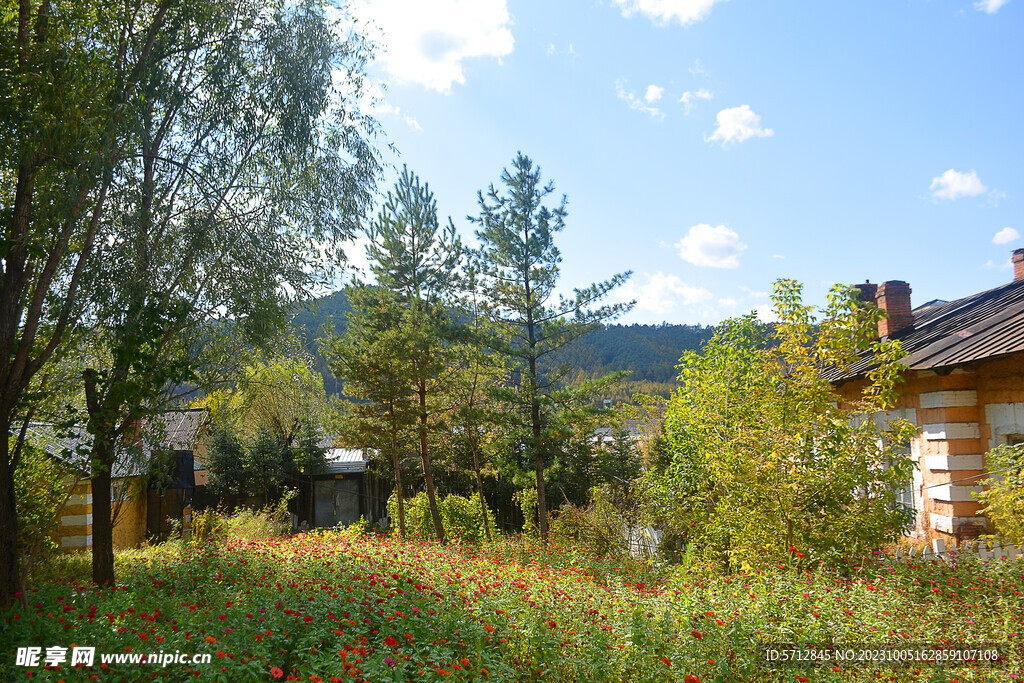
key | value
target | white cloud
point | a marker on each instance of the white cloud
(989, 6)
(728, 302)
(1005, 236)
(665, 11)
(738, 124)
(766, 313)
(753, 292)
(358, 261)
(698, 68)
(1005, 265)
(426, 42)
(953, 184)
(384, 108)
(689, 98)
(635, 102)
(662, 294)
(714, 247)
(654, 93)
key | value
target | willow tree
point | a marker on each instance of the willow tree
(519, 269)
(70, 84)
(226, 165)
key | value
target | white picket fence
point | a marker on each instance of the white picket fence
(984, 550)
(643, 542)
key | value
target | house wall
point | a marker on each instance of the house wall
(961, 415)
(130, 525)
(75, 521)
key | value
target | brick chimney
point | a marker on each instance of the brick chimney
(1018, 264)
(867, 292)
(894, 298)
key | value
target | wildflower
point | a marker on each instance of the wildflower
(276, 672)
(390, 641)
(210, 639)
(666, 661)
(696, 634)
(389, 661)
(691, 678)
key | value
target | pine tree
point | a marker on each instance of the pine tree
(519, 262)
(370, 361)
(415, 261)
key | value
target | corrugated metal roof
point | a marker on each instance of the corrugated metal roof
(73, 446)
(980, 326)
(175, 429)
(344, 460)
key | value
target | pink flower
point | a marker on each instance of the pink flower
(276, 672)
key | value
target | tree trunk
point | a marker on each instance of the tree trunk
(479, 482)
(10, 574)
(399, 498)
(398, 491)
(102, 521)
(428, 477)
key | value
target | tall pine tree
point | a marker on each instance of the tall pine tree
(417, 260)
(518, 262)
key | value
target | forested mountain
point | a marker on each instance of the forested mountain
(648, 352)
(307, 323)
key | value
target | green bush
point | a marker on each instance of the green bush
(460, 517)
(244, 523)
(1004, 498)
(40, 497)
(599, 526)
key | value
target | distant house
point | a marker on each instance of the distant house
(140, 507)
(345, 491)
(964, 390)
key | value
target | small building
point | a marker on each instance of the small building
(964, 390)
(346, 490)
(142, 504)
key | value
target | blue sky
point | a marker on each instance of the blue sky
(712, 146)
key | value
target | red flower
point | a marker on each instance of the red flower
(696, 634)
(666, 661)
(390, 641)
(691, 678)
(276, 672)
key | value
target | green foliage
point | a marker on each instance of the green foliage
(278, 395)
(40, 497)
(1003, 500)
(598, 526)
(763, 457)
(648, 352)
(262, 466)
(518, 265)
(519, 607)
(618, 461)
(244, 523)
(460, 516)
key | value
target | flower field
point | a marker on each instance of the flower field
(338, 607)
